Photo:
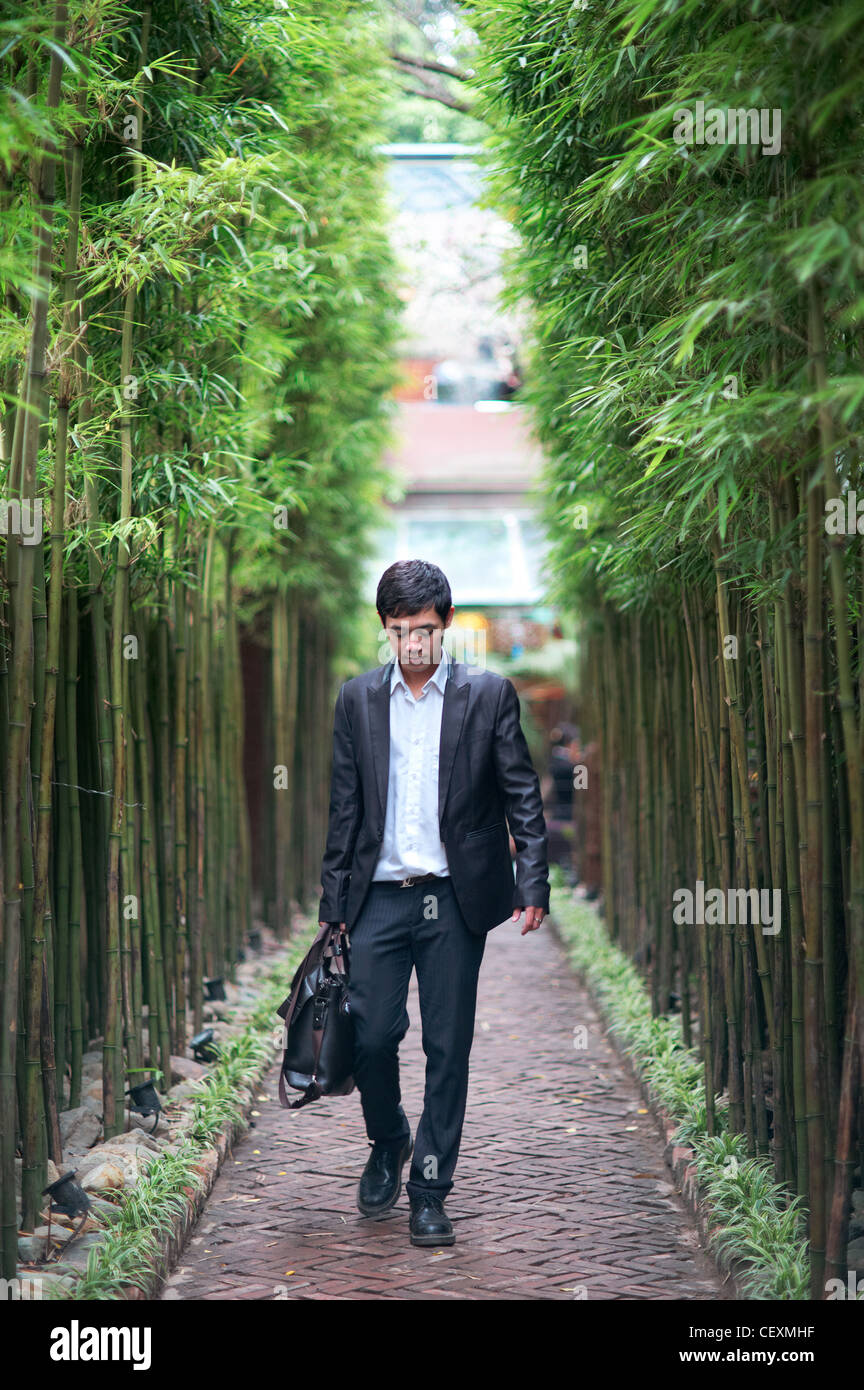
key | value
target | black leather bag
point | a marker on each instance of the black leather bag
(318, 1041)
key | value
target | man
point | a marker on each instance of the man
(428, 758)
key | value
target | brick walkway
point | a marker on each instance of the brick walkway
(560, 1191)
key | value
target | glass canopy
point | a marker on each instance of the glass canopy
(490, 558)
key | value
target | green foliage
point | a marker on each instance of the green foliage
(198, 331)
(695, 381)
(427, 105)
(254, 233)
(698, 259)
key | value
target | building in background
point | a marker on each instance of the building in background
(464, 464)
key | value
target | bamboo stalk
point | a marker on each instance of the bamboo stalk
(74, 816)
(181, 846)
(787, 686)
(158, 1023)
(853, 737)
(21, 694)
(844, 1154)
(812, 878)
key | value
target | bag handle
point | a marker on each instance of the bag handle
(336, 951)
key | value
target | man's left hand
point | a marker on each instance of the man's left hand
(533, 917)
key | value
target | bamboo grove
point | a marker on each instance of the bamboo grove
(196, 347)
(696, 383)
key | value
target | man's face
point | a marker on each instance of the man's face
(416, 640)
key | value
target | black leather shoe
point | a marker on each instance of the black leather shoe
(428, 1223)
(381, 1181)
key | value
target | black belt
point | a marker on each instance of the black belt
(414, 878)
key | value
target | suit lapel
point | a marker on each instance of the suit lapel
(378, 700)
(452, 718)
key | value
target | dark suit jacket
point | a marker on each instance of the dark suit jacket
(484, 773)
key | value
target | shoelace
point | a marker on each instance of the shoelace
(382, 1151)
(428, 1200)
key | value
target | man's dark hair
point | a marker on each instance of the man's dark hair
(408, 587)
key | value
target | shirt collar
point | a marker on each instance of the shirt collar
(439, 678)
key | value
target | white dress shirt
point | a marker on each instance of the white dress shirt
(412, 836)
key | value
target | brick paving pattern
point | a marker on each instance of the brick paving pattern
(560, 1192)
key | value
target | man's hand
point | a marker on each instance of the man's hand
(533, 917)
(523, 806)
(341, 925)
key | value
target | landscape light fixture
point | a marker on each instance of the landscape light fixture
(67, 1197)
(203, 1048)
(145, 1101)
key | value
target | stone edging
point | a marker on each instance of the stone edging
(209, 1165)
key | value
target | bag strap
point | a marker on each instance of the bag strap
(313, 1090)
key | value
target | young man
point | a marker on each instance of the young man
(428, 759)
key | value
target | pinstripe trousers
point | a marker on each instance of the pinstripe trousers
(397, 929)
